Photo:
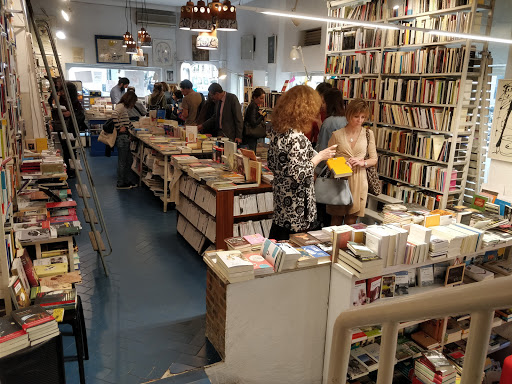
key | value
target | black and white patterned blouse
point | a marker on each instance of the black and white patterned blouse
(289, 158)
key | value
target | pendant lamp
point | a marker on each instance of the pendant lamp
(186, 15)
(131, 47)
(139, 56)
(126, 38)
(227, 17)
(215, 9)
(207, 40)
(201, 18)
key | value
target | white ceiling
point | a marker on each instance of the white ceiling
(160, 3)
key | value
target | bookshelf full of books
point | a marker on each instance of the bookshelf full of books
(382, 262)
(423, 89)
(11, 140)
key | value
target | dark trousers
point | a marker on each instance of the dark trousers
(279, 233)
(251, 142)
(322, 216)
(125, 175)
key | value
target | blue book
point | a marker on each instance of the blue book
(316, 252)
(502, 204)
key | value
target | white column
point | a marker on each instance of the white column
(340, 355)
(387, 353)
(476, 350)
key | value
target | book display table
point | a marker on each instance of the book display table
(270, 329)
(168, 195)
(206, 214)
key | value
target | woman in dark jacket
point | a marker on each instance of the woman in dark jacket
(254, 120)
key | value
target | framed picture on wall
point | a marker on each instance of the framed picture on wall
(109, 49)
(143, 63)
(272, 46)
(170, 76)
(162, 53)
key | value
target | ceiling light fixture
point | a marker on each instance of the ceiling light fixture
(145, 40)
(60, 35)
(207, 40)
(227, 17)
(374, 24)
(65, 15)
(131, 47)
(223, 73)
(186, 15)
(201, 18)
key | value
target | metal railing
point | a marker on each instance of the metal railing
(479, 299)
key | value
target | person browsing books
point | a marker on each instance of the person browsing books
(335, 112)
(254, 120)
(227, 120)
(352, 145)
(157, 99)
(292, 160)
(118, 90)
(122, 123)
(138, 110)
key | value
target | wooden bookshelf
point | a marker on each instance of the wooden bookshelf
(370, 47)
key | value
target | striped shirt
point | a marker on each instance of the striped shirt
(121, 118)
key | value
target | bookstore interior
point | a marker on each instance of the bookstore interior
(325, 255)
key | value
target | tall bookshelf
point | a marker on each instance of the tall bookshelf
(423, 90)
(11, 144)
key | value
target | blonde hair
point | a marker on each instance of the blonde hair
(356, 107)
(296, 109)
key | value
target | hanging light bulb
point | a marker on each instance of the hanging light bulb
(186, 15)
(126, 38)
(201, 18)
(207, 40)
(227, 17)
(131, 47)
(146, 42)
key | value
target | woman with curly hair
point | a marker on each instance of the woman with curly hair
(292, 160)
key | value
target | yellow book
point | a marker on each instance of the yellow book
(339, 167)
(57, 313)
(41, 144)
(51, 270)
(432, 220)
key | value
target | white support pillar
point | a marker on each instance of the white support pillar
(340, 355)
(476, 350)
(387, 353)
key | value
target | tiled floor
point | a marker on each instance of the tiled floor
(149, 315)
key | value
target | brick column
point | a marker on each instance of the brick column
(216, 311)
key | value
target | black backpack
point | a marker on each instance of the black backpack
(109, 126)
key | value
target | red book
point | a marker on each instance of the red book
(61, 219)
(373, 288)
(61, 204)
(9, 329)
(31, 316)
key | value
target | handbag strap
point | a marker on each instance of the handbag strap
(367, 156)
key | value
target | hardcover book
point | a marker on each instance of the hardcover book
(303, 239)
(31, 316)
(339, 167)
(51, 270)
(9, 329)
(261, 266)
(20, 297)
(359, 293)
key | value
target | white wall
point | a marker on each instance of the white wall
(502, 54)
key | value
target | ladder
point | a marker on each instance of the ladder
(94, 234)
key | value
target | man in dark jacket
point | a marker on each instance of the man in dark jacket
(227, 119)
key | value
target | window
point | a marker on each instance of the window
(301, 79)
(103, 79)
(201, 75)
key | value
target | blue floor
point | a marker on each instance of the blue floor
(149, 315)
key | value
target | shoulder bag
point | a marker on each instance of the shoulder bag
(374, 186)
(108, 138)
(332, 191)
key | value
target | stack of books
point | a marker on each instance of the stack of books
(290, 256)
(261, 266)
(38, 323)
(317, 253)
(234, 266)
(434, 368)
(12, 337)
(360, 260)
(438, 248)
(478, 273)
